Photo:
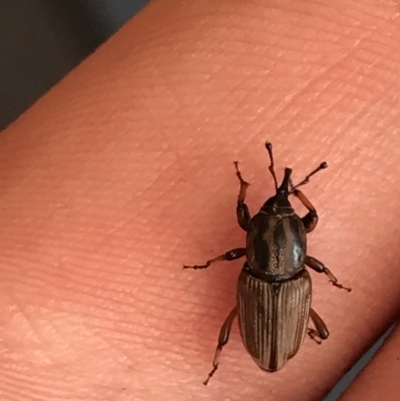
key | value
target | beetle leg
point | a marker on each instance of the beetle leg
(319, 267)
(313, 334)
(228, 256)
(242, 210)
(222, 340)
(321, 332)
(310, 220)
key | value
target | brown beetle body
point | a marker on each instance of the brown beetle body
(274, 288)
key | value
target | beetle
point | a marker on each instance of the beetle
(274, 291)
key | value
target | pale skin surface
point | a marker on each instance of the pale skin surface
(124, 172)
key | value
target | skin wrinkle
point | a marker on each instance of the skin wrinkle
(188, 103)
(320, 92)
(35, 337)
(88, 290)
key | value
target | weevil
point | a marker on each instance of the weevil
(273, 301)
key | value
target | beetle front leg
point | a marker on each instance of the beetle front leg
(321, 332)
(242, 210)
(228, 256)
(310, 220)
(319, 267)
(222, 340)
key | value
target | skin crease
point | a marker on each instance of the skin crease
(123, 172)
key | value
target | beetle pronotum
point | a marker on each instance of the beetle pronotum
(274, 288)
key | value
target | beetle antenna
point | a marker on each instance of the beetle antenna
(268, 146)
(306, 180)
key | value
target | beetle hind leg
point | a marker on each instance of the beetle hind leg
(320, 332)
(313, 334)
(222, 341)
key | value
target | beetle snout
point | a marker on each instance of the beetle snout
(284, 188)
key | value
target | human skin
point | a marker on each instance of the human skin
(123, 172)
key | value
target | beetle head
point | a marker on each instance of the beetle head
(281, 198)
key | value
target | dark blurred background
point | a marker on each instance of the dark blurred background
(42, 40)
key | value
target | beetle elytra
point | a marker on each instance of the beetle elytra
(273, 302)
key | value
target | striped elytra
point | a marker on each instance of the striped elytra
(273, 317)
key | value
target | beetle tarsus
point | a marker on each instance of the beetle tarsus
(239, 175)
(211, 374)
(196, 267)
(341, 286)
(313, 334)
(233, 254)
